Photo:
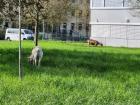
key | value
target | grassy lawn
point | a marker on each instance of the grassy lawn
(70, 74)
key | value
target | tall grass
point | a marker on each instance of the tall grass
(70, 74)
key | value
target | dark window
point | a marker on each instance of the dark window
(73, 13)
(64, 30)
(28, 32)
(64, 25)
(80, 13)
(72, 26)
(87, 27)
(9, 31)
(6, 24)
(80, 26)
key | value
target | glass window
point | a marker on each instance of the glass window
(73, 13)
(97, 3)
(80, 26)
(109, 3)
(9, 31)
(16, 31)
(80, 13)
(114, 3)
(72, 26)
(28, 32)
(64, 25)
(87, 27)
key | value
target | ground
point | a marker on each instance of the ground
(70, 74)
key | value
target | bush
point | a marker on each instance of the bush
(2, 34)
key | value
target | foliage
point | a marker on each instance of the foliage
(2, 34)
(71, 74)
(53, 11)
(135, 4)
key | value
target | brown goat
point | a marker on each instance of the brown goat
(94, 42)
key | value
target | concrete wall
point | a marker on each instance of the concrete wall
(115, 26)
(119, 35)
(110, 15)
(119, 42)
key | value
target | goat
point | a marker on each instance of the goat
(94, 42)
(36, 56)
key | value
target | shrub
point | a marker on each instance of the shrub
(2, 34)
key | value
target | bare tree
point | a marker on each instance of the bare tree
(33, 11)
(8, 10)
(135, 5)
(53, 11)
(85, 15)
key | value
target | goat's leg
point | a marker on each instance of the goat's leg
(39, 62)
(35, 62)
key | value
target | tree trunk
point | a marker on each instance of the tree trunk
(36, 28)
(52, 30)
(36, 34)
(43, 36)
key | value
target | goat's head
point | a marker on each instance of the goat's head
(30, 60)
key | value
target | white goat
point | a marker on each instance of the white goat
(36, 56)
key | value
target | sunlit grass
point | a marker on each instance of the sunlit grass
(70, 74)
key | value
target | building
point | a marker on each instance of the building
(75, 28)
(114, 23)
(77, 24)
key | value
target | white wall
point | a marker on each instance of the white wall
(119, 35)
(110, 25)
(119, 15)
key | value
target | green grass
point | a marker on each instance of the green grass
(70, 74)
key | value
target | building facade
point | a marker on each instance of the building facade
(114, 23)
(77, 24)
(76, 27)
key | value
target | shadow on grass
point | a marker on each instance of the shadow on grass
(67, 63)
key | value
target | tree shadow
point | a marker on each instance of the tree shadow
(67, 63)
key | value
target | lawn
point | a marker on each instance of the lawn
(70, 74)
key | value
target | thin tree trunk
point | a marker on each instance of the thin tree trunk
(20, 69)
(43, 30)
(52, 30)
(36, 34)
(37, 21)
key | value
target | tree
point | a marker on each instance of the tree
(33, 10)
(85, 15)
(9, 10)
(53, 11)
(135, 4)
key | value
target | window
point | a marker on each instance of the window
(9, 31)
(73, 13)
(80, 26)
(87, 27)
(64, 25)
(14, 31)
(28, 32)
(72, 26)
(98, 3)
(109, 3)
(113, 3)
(6, 24)
(80, 13)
